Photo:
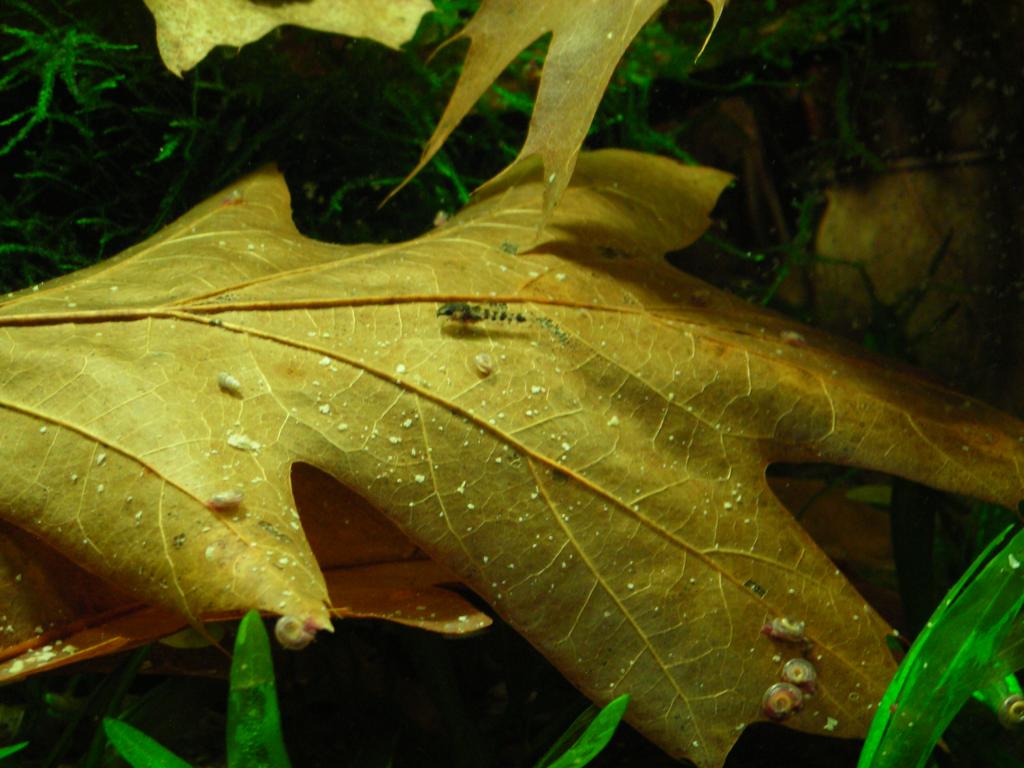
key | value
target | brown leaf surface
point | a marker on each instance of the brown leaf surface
(56, 613)
(587, 41)
(596, 471)
(187, 30)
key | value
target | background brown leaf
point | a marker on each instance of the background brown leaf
(600, 481)
(587, 41)
(187, 30)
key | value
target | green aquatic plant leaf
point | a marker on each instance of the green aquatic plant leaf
(254, 737)
(138, 749)
(13, 749)
(588, 735)
(956, 653)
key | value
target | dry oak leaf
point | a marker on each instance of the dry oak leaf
(587, 41)
(187, 30)
(586, 448)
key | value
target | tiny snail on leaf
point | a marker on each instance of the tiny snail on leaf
(484, 364)
(781, 628)
(781, 700)
(1011, 711)
(801, 673)
(293, 633)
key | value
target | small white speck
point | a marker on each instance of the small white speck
(400, 368)
(42, 430)
(1014, 562)
(100, 459)
(342, 427)
(831, 724)
(325, 408)
(229, 383)
(613, 421)
(325, 361)
(244, 443)
(419, 478)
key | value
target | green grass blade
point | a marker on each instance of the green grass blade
(956, 653)
(6, 752)
(586, 737)
(138, 749)
(254, 724)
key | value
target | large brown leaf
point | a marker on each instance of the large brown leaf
(596, 471)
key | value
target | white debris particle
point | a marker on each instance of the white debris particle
(74, 477)
(342, 427)
(394, 440)
(243, 442)
(324, 361)
(325, 408)
(613, 421)
(420, 478)
(831, 724)
(225, 501)
(536, 389)
(566, 446)
(407, 423)
(210, 550)
(100, 488)
(1014, 562)
(560, 276)
(42, 430)
(461, 488)
(400, 368)
(100, 459)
